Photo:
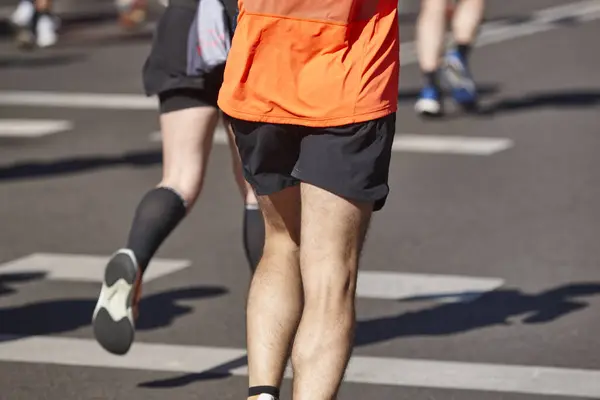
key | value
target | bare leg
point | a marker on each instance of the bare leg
(187, 142)
(431, 30)
(333, 232)
(467, 18)
(43, 5)
(275, 297)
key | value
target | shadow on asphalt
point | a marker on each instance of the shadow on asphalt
(544, 100)
(535, 101)
(73, 165)
(20, 61)
(498, 308)
(59, 316)
(219, 372)
(7, 280)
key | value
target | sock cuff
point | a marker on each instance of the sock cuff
(258, 390)
(175, 192)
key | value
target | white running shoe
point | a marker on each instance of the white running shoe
(23, 15)
(45, 31)
(114, 316)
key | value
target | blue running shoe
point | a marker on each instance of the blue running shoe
(429, 103)
(459, 79)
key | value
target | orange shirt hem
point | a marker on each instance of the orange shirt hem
(310, 122)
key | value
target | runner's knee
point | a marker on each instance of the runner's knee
(281, 212)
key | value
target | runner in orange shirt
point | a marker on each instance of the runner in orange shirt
(311, 89)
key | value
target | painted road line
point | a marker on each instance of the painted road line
(535, 380)
(142, 356)
(371, 284)
(540, 21)
(406, 286)
(32, 128)
(219, 138)
(477, 146)
(82, 268)
(78, 100)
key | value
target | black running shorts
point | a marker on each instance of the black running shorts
(350, 161)
(167, 72)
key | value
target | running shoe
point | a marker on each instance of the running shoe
(23, 15)
(116, 311)
(458, 77)
(429, 103)
(45, 31)
(132, 13)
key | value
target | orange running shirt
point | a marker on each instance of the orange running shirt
(313, 62)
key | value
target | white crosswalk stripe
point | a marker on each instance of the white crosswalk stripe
(407, 143)
(32, 128)
(367, 370)
(82, 268)
(539, 380)
(475, 146)
(371, 284)
(110, 101)
(408, 286)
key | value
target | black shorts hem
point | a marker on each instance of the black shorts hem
(268, 190)
(181, 99)
(378, 196)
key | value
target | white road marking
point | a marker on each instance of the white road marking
(142, 356)
(78, 100)
(32, 128)
(371, 284)
(82, 268)
(540, 21)
(219, 138)
(476, 146)
(406, 286)
(501, 378)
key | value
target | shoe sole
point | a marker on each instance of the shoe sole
(113, 319)
(429, 108)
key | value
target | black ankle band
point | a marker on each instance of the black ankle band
(258, 390)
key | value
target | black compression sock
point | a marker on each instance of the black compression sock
(463, 51)
(157, 214)
(254, 234)
(432, 79)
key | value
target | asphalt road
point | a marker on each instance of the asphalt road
(489, 240)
